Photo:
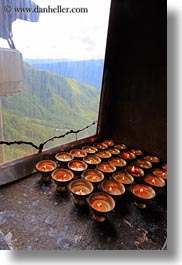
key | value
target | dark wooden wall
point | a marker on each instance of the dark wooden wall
(134, 97)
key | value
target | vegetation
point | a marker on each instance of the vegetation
(48, 105)
(86, 71)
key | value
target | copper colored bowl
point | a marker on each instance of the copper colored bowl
(81, 189)
(62, 177)
(113, 188)
(93, 175)
(142, 194)
(123, 177)
(100, 204)
(45, 168)
(77, 166)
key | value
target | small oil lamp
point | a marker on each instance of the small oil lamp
(123, 177)
(101, 204)
(63, 158)
(135, 171)
(152, 159)
(92, 160)
(142, 194)
(100, 146)
(77, 166)
(46, 167)
(137, 152)
(108, 142)
(156, 182)
(78, 153)
(89, 149)
(121, 146)
(145, 164)
(106, 168)
(103, 155)
(113, 188)
(62, 177)
(94, 176)
(81, 189)
(160, 173)
(114, 151)
(117, 162)
(127, 155)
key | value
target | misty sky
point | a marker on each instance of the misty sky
(73, 36)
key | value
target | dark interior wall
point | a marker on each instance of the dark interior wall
(134, 100)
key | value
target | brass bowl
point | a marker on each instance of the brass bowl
(106, 168)
(123, 177)
(63, 158)
(121, 146)
(109, 143)
(103, 155)
(62, 178)
(157, 183)
(90, 149)
(92, 160)
(113, 188)
(100, 205)
(100, 146)
(118, 162)
(94, 176)
(45, 168)
(137, 152)
(114, 151)
(143, 163)
(77, 167)
(127, 155)
(78, 154)
(152, 159)
(142, 194)
(159, 172)
(135, 171)
(81, 189)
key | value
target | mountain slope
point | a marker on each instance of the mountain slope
(86, 71)
(49, 105)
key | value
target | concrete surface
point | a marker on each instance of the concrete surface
(34, 216)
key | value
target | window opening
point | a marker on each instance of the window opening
(63, 54)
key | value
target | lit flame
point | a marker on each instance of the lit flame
(44, 167)
(81, 192)
(133, 169)
(123, 178)
(77, 165)
(141, 190)
(118, 161)
(153, 181)
(94, 178)
(99, 204)
(64, 157)
(64, 176)
(78, 153)
(110, 189)
(163, 174)
(105, 167)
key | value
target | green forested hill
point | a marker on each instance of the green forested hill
(86, 71)
(48, 105)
